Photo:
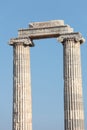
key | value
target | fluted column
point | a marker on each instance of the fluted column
(22, 104)
(73, 100)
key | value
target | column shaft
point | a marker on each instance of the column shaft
(22, 111)
(73, 101)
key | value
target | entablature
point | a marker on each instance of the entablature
(44, 32)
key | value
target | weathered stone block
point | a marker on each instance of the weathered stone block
(46, 24)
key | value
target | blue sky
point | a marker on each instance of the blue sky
(46, 59)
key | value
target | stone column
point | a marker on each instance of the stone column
(73, 100)
(22, 108)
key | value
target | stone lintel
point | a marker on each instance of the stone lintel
(46, 24)
(25, 41)
(44, 32)
(68, 36)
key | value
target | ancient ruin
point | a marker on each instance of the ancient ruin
(73, 100)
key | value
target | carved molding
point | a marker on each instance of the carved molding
(44, 32)
(77, 37)
(24, 41)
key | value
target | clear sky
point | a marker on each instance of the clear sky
(46, 59)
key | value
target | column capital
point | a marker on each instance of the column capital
(25, 41)
(77, 37)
